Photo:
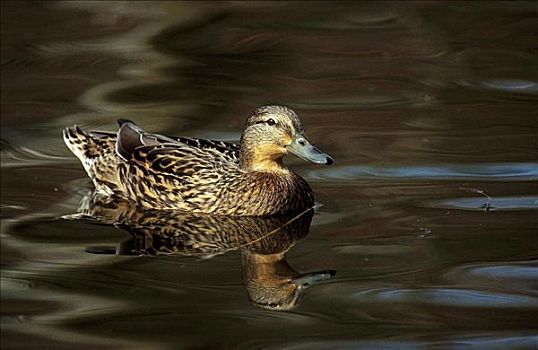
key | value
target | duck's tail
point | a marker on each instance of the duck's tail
(96, 151)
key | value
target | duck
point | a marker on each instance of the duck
(195, 175)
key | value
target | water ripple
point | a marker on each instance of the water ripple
(520, 277)
(506, 271)
(15, 156)
(448, 297)
(504, 341)
(505, 85)
(483, 172)
(480, 203)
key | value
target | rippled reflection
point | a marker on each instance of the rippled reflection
(263, 241)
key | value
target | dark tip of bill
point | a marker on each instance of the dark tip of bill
(329, 161)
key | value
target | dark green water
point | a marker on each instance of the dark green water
(429, 216)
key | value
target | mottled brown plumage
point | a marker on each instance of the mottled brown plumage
(203, 176)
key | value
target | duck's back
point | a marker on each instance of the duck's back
(112, 160)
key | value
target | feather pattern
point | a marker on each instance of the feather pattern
(197, 175)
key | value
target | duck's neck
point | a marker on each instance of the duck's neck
(262, 164)
(266, 267)
(264, 158)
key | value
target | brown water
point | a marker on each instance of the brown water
(429, 216)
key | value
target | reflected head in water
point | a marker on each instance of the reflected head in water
(273, 284)
(263, 242)
(203, 176)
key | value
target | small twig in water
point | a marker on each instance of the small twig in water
(487, 206)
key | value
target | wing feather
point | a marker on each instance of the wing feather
(183, 161)
(130, 137)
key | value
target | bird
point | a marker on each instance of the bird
(199, 175)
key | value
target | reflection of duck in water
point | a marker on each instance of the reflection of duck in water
(270, 281)
(203, 176)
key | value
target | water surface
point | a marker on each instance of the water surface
(429, 216)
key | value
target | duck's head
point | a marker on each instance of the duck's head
(271, 132)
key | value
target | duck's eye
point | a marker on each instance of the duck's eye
(270, 122)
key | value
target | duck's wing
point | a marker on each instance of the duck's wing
(130, 136)
(177, 176)
(190, 167)
(189, 163)
(229, 149)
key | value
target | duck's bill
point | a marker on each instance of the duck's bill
(305, 150)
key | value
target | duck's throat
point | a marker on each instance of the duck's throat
(262, 161)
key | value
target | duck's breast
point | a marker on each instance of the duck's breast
(259, 193)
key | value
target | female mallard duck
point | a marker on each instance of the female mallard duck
(203, 176)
